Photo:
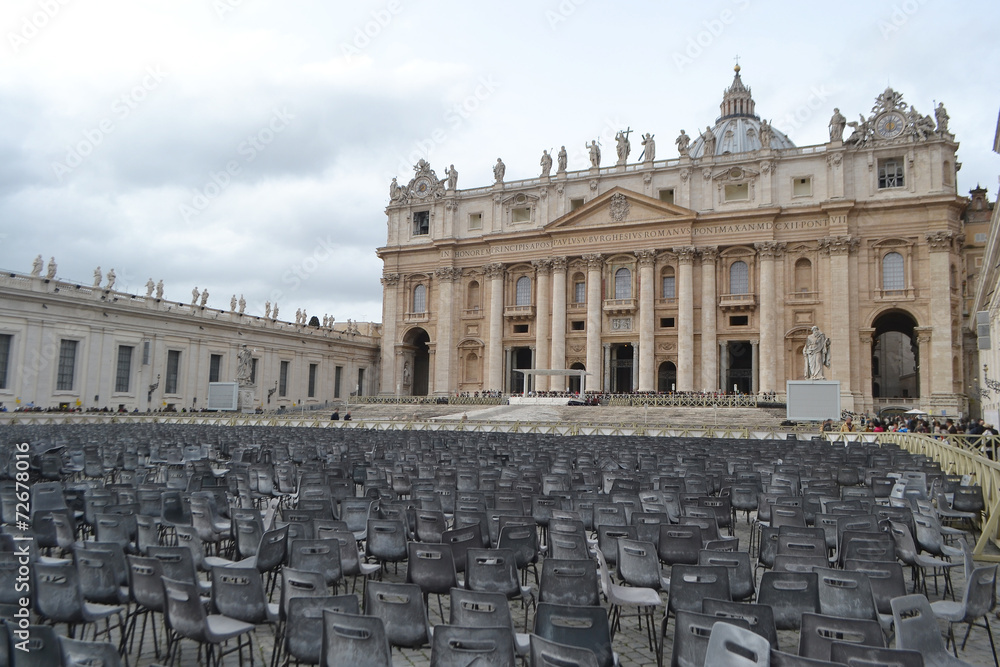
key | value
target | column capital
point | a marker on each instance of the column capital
(559, 263)
(941, 241)
(769, 249)
(754, 342)
(448, 273)
(685, 254)
(493, 271)
(923, 335)
(390, 279)
(543, 267)
(866, 334)
(708, 253)
(838, 245)
(594, 261)
(646, 257)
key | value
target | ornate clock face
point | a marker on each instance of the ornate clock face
(890, 124)
(422, 186)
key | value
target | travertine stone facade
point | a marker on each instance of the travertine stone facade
(703, 272)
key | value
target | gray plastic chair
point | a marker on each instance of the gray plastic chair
(790, 594)
(458, 646)
(917, 630)
(547, 653)
(977, 602)
(401, 608)
(303, 637)
(856, 655)
(692, 632)
(352, 639)
(732, 646)
(818, 633)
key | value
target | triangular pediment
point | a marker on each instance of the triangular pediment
(620, 207)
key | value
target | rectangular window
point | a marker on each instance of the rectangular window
(738, 320)
(890, 173)
(802, 187)
(475, 221)
(312, 379)
(667, 195)
(361, 382)
(214, 367)
(520, 214)
(669, 287)
(283, 379)
(145, 353)
(173, 371)
(6, 343)
(579, 292)
(67, 365)
(124, 372)
(253, 371)
(666, 323)
(576, 203)
(338, 375)
(738, 192)
(576, 325)
(520, 328)
(980, 237)
(421, 223)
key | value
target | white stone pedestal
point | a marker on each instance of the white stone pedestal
(812, 400)
(246, 400)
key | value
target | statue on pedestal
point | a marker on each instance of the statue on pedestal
(244, 366)
(36, 266)
(546, 164)
(817, 354)
(97, 277)
(194, 295)
(941, 116)
(111, 279)
(452, 177)
(243, 304)
(204, 297)
(648, 148)
(150, 286)
(232, 304)
(594, 149)
(624, 146)
(499, 169)
(709, 137)
(561, 161)
(683, 141)
(51, 272)
(837, 125)
(267, 310)
(159, 289)
(274, 313)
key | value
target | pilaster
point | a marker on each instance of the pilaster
(685, 318)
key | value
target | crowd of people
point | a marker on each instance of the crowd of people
(911, 424)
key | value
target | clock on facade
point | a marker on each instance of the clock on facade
(422, 186)
(890, 124)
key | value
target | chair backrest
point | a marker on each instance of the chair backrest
(300, 584)
(568, 546)
(386, 540)
(732, 646)
(759, 617)
(979, 597)
(185, 612)
(886, 581)
(569, 582)
(790, 594)
(692, 631)
(457, 646)
(101, 576)
(492, 570)
(847, 594)
(176, 562)
(917, 628)
(581, 626)
(247, 533)
(431, 566)
(401, 608)
(238, 592)
(819, 632)
(679, 545)
(547, 653)
(352, 639)
(690, 584)
(321, 556)
(523, 541)
(273, 549)
(42, 648)
(77, 653)
(859, 655)
(304, 626)
(608, 536)
(479, 609)
(58, 596)
(737, 564)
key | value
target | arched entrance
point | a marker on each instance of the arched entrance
(666, 377)
(574, 380)
(895, 357)
(416, 363)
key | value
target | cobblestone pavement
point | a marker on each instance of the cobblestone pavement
(630, 643)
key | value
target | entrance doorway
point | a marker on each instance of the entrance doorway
(895, 357)
(739, 376)
(666, 377)
(574, 380)
(520, 358)
(621, 368)
(416, 340)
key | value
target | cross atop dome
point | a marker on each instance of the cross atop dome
(736, 100)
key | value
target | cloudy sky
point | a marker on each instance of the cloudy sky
(246, 146)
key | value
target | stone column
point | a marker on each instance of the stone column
(508, 365)
(446, 277)
(431, 364)
(390, 287)
(606, 366)
(543, 268)
(645, 369)
(840, 316)
(594, 309)
(939, 246)
(723, 365)
(685, 319)
(494, 344)
(529, 381)
(768, 316)
(865, 338)
(709, 308)
(755, 367)
(635, 370)
(924, 364)
(558, 358)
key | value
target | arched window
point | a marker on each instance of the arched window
(803, 275)
(623, 284)
(579, 288)
(472, 296)
(669, 286)
(522, 291)
(419, 299)
(739, 278)
(892, 271)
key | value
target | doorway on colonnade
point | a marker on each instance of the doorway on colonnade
(739, 370)
(895, 356)
(415, 381)
(666, 378)
(622, 358)
(575, 380)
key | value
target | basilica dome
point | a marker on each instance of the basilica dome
(738, 128)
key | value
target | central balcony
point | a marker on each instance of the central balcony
(737, 302)
(519, 312)
(619, 306)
